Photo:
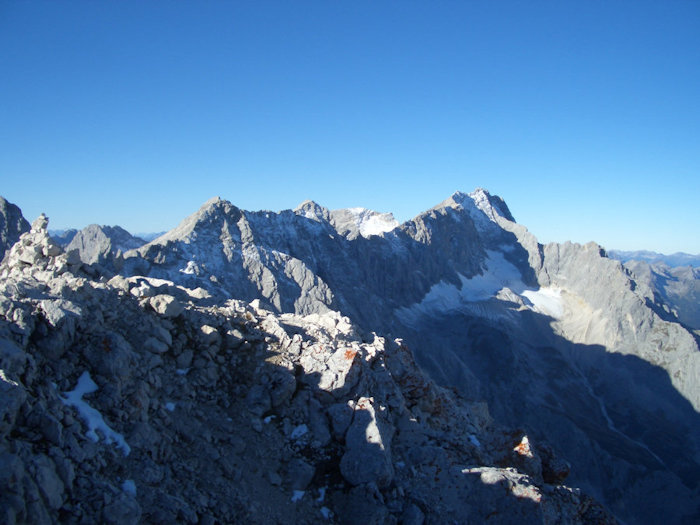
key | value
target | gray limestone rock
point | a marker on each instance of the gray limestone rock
(412, 515)
(40, 224)
(12, 488)
(100, 244)
(155, 345)
(340, 415)
(13, 396)
(12, 358)
(258, 400)
(50, 485)
(283, 384)
(166, 305)
(299, 474)
(367, 455)
(123, 510)
(363, 505)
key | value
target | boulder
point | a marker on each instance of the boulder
(166, 305)
(299, 474)
(50, 485)
(367, 455)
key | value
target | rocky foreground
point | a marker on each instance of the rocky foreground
(128, 400)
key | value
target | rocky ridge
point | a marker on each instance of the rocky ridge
(133, 399)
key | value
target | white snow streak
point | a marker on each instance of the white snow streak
(93, 419)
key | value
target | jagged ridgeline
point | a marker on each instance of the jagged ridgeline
(335, 366)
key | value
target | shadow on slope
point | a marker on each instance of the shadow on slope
(631, 437)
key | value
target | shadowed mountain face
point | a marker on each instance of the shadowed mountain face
(675, 288)
(12, 225)
(558, 339)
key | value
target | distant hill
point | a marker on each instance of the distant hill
(149, 236)
(674, 260)
(63, 237)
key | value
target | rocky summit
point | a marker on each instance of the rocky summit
(334, 366)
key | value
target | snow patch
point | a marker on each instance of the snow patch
(191, 268)
(169, 406)
(297, 495)
(546, 300)
(500, 280)
(93, 419)
(371, 222)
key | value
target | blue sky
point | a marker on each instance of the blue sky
(583, 116)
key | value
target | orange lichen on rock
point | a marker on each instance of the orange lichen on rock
(523, 448)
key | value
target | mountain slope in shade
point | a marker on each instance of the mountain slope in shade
(63, 237)
(557, 338)
(677, 289)
(12, 225)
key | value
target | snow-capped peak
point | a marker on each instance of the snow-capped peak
(373, 223)
(480, 204)
(312, 210)
(361, 221)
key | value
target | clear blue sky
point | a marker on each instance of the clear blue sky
(584, 116)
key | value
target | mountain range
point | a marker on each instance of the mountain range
(594, 360)
(673, 260)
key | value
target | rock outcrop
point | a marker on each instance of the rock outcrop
(100, 244)
(673, 291)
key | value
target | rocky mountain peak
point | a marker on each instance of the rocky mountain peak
(314, 211)
(480, 199)
(482, 207)
(97, 244)
(209, 216)
(354, 222)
